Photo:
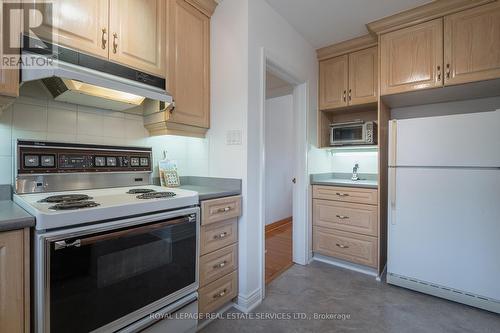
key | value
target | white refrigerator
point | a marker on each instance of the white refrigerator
(444, 207)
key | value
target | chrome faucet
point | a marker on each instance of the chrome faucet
(355, 172)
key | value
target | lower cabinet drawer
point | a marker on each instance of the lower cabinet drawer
(218, 293)
(218, 235)
(351, 217)
(356, 248)
(218, 263)
(346, 194)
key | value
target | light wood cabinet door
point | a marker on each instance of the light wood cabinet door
(9, 77)
(363, 76)
(80, 25)
(137, 34)
(333, 82)
(188, 59)
(412, 58)
(472, 45)
(14, 281)
(357, 218)
(348, 246)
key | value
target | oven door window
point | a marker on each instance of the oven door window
(110, 275)
(354, 133)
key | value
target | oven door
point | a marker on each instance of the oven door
(348, 134)
(104, 278)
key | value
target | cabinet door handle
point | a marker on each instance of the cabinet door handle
(222, 293)
(220, 236)
(342, 217)
(439, 73)
(220, 265)
(342, 246)
(103, 38)
(342, 194)
(350, 94)
(345, 92)
(115, 42)
(447, 71)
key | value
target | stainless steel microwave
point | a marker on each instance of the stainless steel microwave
(352, 133)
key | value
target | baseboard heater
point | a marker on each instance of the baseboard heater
(451, 294)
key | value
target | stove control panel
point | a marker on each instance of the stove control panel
(50, 157)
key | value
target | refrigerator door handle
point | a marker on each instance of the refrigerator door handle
(392, 195)
(393, 141)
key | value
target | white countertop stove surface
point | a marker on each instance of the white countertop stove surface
(113, 203)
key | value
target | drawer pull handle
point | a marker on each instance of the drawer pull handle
(220, 236)
(220, 265)
(342, 217)
(223, 210)
(219, 295)
(342, 246)
(342, 194)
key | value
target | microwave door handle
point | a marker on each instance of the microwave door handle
(132, 231)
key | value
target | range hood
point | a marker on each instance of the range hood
(78, 78)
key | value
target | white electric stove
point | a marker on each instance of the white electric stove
(70, 208)
(110, 248)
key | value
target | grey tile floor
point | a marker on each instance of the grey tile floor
(373, 306)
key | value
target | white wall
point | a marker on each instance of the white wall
(269, 31)
(229, 84)
(240, 29)
(36, 116)
(279, 158)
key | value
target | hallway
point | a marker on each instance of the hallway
(278, 248)
(371, 306)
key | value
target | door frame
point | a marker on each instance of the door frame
(301, 238)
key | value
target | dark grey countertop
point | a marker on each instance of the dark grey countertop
(209, 187)
(208, 192)
(367, 180)
(14, 217)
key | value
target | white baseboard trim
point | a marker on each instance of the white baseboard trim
(247, 303)
(346, 265)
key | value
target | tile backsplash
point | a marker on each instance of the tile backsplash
(41, 118)
(328, 160)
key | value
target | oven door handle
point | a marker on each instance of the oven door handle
(128, 232)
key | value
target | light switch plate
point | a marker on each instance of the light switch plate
(233, 137)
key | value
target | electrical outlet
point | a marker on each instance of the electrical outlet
(233, 137)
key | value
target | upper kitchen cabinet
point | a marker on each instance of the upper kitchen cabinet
(80, 25)
(472, 45)
(363, 76)
(412, 58)
(9, 77)
(137, 34)
(188, 64)
(333, 82)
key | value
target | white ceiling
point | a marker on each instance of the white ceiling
(326, 22)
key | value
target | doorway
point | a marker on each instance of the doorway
(279, 157)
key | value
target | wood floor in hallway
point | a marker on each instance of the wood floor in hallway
(278, 248)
